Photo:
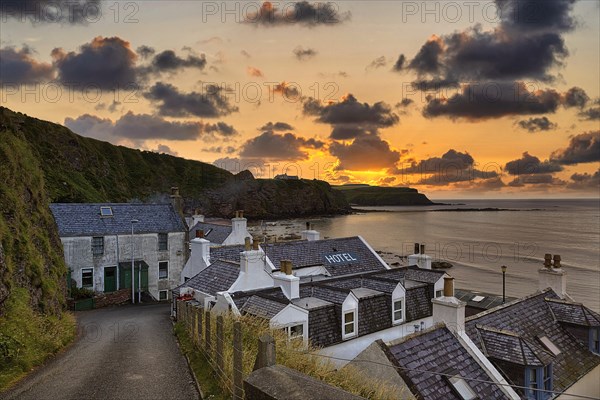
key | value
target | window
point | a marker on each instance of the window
(595, 340)
(294, 331)
(106, 212)
(439, 293)
(163, 295)
(163, 270)
(549, 345)
(87, 278)
(398, 311)
(349, 324)
(539, 382)
(163, 241)
(478, 299)
(462, 388)
(98, 246)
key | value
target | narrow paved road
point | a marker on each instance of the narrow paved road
(123, 353)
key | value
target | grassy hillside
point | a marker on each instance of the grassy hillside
(32, 270)
(365, 195)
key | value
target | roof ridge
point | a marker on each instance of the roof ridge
(563, 301)
(403, 339)
(497, 330)
(506, 305)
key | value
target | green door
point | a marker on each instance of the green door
(110, 279)
(125, 276)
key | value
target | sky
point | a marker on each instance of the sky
(479, 99)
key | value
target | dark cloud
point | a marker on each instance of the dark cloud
(52, 11)
(274, 146)
(290, 92)
(585, 181)
(168, 61)
(366, 152)
(591, 114)
(220, 128)
(536, 179)
(537, 124)
(171, 102)
(105, 63)
(351, 118)
(303, 54)
(17, 66)
(277, 126)
(583, 148)
(451, 159)
(400, 62)
(145, 51)
(404, 103)
(531, 165)
(300, 13)
(527, 44)
(576, 97)
(495, 100)
(379, 62)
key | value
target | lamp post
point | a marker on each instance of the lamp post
(133, 221)
(503, 283)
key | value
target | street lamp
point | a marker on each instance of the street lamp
(503, 283)
(133, 221)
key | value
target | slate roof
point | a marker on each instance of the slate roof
(215, 233)
(529, 319)
(510, 347)
(573, 313)
(229, 253)
(489, 300)
(83, 219)
(439, 351)
(261, 307)
(310, 253)
(218, 277)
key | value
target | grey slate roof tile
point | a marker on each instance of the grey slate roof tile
(83, 219)
(215, 233)
(573, 313)
(437, 350)
(218, 277)
(262, 307)
(530, 318)
(229, 253)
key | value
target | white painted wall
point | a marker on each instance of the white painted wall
(253, 272)
(78, 255)
(289, 316)
(199, 258)
(351, 348)
(239, 232)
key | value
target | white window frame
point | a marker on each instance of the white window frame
(163, 291)
(288, 330)
(439, 293)
(402, 310)
(87, 269)
(167, 277)
(354, 323)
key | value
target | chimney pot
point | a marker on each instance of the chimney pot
(175, 191)
(557, 261)
(247, 245)
(417, 248)
(449, 287)
(255, 245)
(423, 249)
(307, 226)
(200, 233)
(548, 260)
(241, 213)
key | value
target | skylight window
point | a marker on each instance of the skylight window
(462, 388)
(477, 299)
(106, 211)
(549, 345)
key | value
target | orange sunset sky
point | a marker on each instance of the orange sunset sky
(485, 99)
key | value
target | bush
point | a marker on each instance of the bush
(81, 293)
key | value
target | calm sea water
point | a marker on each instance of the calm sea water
(479, 242)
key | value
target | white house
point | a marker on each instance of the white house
(100, 241)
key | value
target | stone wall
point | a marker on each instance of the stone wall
(113, 299)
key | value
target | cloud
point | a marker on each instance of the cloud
(289, 91)
(536, 179)
(377, 63)
(17, 66)
(351, 118)
(537, 124)
(583, 148)
(531, 165)
(168, 61)
(254, 72)
(495, 100)
(164, 149)
(141, 127)
(145, 51)
(245, 54)
(298, 13)
(277, 126)
(173, 103)
(366, 152)
(89, 67)
(274, 146)
(220, 149)
(213, 40)
(52, 11)
(576, 97)
(591, 114)
(585, 181)
(527, 44)
(303, 54)
(400, 62)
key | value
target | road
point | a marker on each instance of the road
(124, 352)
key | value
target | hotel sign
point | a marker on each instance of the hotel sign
(340, 258)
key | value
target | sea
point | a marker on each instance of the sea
(480, 236)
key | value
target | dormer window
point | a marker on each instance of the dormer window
(349, 324)
(398, 311)
(538, 381)
(106, 212)
(595, 340)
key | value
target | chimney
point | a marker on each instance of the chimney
(420, 259)
(176, 200)
(253, 270)
(553, 276)
(197, 218)
(239, 229)
(200, 256)
(200, 234)
(448, 309)
(310, 234)
(247, 244)
(289, 284)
